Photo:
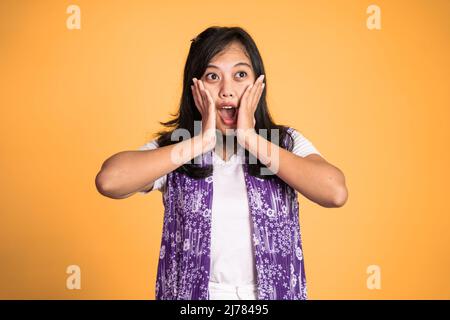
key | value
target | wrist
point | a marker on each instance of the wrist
(246, 137)
(207, 140)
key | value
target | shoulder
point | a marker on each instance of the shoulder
(153, 144)
(302, 145)
(295, 133)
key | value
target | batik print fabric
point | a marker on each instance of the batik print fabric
(184, 261)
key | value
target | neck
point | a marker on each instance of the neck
(225, 147)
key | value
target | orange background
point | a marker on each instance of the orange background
(374, 102)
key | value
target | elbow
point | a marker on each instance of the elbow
(340, 192)
(340, 196)
(336, 191)
(103, 185)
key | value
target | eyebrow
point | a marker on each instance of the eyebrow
(237, 64)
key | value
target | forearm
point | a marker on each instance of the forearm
(129, 171)
(318, 181)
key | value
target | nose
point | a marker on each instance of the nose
(226, 90)
(226, 94)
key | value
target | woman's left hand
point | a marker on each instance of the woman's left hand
(246, 113)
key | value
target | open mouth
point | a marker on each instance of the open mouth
(228, 114)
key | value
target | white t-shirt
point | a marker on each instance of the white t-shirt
(232, 258)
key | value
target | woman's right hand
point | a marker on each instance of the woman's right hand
(205, 104)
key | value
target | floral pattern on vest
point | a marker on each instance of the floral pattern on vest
(184, 261)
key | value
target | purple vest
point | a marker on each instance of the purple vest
(184, 260)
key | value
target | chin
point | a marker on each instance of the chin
(228, 130)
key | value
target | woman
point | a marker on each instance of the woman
(231, 228)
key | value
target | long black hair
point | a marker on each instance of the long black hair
(204, 47)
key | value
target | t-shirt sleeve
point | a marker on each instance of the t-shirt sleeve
(159, 183)
(302, 146)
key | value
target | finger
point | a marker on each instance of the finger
(212, 106)
(199, 94)
(197, 97)
(258, 95)
(203, 94)
(257, 89)
(245, 95)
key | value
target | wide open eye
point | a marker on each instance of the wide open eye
(242, 72)
(214, 76)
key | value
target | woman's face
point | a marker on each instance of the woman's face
(227, 76)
